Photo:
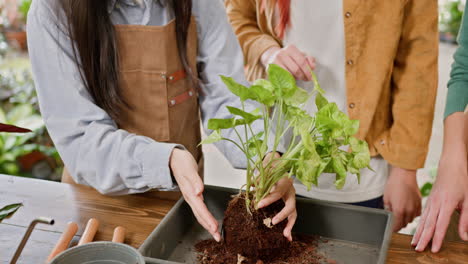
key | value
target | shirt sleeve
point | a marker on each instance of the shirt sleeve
(92, 147)
(457, 97)
(414, 87)
(254, 42)
(220, 54)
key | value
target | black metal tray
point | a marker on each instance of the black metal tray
(353, 234)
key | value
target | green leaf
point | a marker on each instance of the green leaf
(282, 80)
(258, 136)
(9, 167)
(355, 171)
(309, 170)
(426, 189)
(340, 171)
(216, 124)
(252, 148)
(308, 142)
(265, 84)
(236, 88)
(32, 122)
(249, 118)
(19, 113)
(300, 97)
(361, 160)
(320, 101)
(361, 153)
(10, 142)
(351, 127)
(213, 138)
(22, 139)
(358, 145)
(325, 117)
(262, 95)
(9, 210)
(2, 116)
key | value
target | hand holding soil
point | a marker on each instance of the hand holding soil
(185, 171)
(285, 190)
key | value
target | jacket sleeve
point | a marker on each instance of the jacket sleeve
(94, 150)
(457, 97)
(254, 42)
(414, 87)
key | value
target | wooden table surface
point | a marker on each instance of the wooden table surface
(139, 214)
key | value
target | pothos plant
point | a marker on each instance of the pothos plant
(323, 143)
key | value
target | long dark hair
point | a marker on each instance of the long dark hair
(95, 49)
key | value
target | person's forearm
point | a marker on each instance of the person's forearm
(455, 147)
(455, 135)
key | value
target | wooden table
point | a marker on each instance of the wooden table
(140, 214)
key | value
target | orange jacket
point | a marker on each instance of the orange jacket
(391, 68)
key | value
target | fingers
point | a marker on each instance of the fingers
(192, 188)
(271, 198)
(409, 216)
(205, 218)
(280, 190)
(463, 225)
(296, 62)
(301, 61)
(399, 219)
(289, 208)
(443, 221)
(312, 64)
(410, 213)
(288, 229)
(422, 222)
(291, 65)
(429, 227)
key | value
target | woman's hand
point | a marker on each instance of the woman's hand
(292, 59)
(450, 191)
(185, 171)
(284, 189)
(402, 197)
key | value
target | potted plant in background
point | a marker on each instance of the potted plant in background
(31, 155)
(450, 17)
(19, 154)
(14, 18)
(323, 143)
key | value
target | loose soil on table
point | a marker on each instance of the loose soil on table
(249, 241)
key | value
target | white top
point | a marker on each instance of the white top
(317, 29)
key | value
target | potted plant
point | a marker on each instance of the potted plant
(16, 12)
(19, 154)
(321, 143)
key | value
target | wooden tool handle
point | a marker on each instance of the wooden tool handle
(64, 241)
(90, 231)
(119, 235)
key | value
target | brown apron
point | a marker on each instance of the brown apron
(163, 103)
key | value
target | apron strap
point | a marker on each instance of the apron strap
(182, 97)
(176, 76)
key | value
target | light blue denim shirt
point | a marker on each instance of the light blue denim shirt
(94, 149)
